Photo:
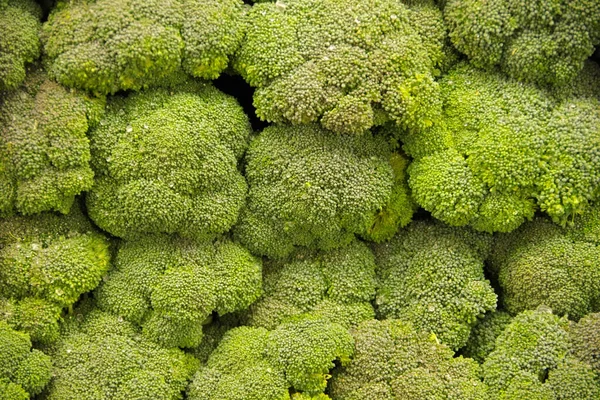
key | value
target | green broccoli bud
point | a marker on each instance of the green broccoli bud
(585, 337)
(484, 334)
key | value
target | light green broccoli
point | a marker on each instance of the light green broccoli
(44, 150)
(170, 286)
(484, 334)
(166, 161)
(313, 187)
(585, 339)
(47, 262)
(349, 65)
(109, 45)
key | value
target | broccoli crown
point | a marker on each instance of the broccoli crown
(46, 262)
(101, 356)
(541, 41)
(313, 187)
(44, 150)
(348, 65)
(23, 372)
(542, 263)
(19, 42)
(585, 338)
(484, 334)
(503, 148)
(109, 45)
(532, 361)
(254, 363)
(432, 275)
(393, 361)
(338, 285)
(170, 286)
(166, 161)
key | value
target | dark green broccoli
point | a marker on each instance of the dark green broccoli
(19, 41)
(585, 337)
(312, 187)
(484, 334)
(46, 262)
(103, 357)
(23, 372)
(338, 285)
(109, 45)
(393, 361)
(170, 286)
(348, 65)
(503, 148)
(166, 161)
(542, 41)
(257, 364)
(44, 150)
(432, 275)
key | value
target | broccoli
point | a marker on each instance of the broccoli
(170, 285)
(503, 148)
(23, 372)
(545, 42)
(44, 151)
(348, 65)
(257, 364)
(104, 46)
(338, 285)
(585, 339)
(393, 361)
(432, 275)
(19, 42)
(312, 187)
(46, 262)
(483, 335)
(101, 356)
(166, 161)
(532, 361)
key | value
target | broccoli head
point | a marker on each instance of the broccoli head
(109, 45)
(484, 334)
(545, 42)
(313, 187)
(170, 286)
(19, 42)
(23, 372)
(349, 65)
(46, 262)
(166, 161)
(44, 150)
(585, 337)
(257, 364)
(338, 285)
(432, 275)
(393, 361)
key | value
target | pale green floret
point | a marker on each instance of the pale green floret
(585, 337)
(349, 65)
(166, 161)
(171, 286)
(105, 46)
(313, 187)
(483, 335)
(393, 361)
(432, 275)
(44, 150)
(46, 263)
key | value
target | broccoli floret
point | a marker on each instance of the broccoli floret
(393, 361)
(101, 356)
(542, 263)
(23, 372)
(503, 148)
(338, 285)
(109, 45)
(256, 364)
(532, 361)
(44, 151)
(46, 262)
(542, 41)
(348, 65)
(166, 161)
(432, 275)
(484, 334)
(313, 187)
(585, 337)
(170, 286)
(19, 42)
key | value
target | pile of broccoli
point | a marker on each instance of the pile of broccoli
(299, 200)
